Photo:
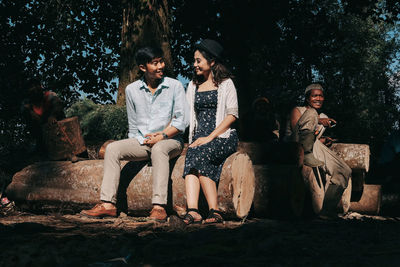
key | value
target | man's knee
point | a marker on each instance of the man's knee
(161, 149)
(113, 150)
(158, 150)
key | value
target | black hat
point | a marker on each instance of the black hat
(212, 47)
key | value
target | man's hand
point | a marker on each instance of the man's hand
(152, 134)
(327, 140)
(153, 138)
(201, 141)
(327, 122)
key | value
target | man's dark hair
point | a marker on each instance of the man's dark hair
(147, 54)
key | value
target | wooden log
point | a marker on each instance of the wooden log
(80, 183)
(63, 139)
(315, 188)
(267, 153)
(356, 156)
(344, 204)
(235, 189)
(370, 202)
(279, 191)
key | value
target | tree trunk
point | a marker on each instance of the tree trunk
(145, 22)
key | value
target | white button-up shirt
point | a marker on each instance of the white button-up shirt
(148, 113)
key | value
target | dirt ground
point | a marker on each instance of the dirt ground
(71, 240)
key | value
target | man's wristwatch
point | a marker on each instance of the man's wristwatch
(165, 135)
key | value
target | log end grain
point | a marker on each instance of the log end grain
(243, 184)
(370, 202)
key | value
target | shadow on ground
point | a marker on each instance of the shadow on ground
(72, 240)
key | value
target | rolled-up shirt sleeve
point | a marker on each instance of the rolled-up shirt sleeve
(231, 99)
(180, 115)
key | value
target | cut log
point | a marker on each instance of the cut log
(356, 156)
(344, 204)
(279, 191)
(63, 139)
(315, 188)
(358, 181)
(80, 183)
(235, 189)
(370, 202)
(267, 153)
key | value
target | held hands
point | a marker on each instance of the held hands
(327, 122)
(153, 138)
(201, 141)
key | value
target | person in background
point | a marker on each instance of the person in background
(40, 108)
(260, 124)
(306, 126)
(213, 109)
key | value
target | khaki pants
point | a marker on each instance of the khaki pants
(130, 149)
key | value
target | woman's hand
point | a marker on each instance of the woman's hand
(327, 122)
(201, 141)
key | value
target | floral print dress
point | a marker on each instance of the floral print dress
(208, 159)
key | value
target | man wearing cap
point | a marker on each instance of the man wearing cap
(157, 115)
(306, 126)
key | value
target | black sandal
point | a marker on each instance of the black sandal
(189, 219)
(216, 215)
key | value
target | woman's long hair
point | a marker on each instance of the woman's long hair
(218, 71)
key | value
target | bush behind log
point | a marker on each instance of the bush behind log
(100, 122)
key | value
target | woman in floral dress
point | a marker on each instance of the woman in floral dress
(213, 108)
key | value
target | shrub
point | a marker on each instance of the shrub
(100, 122)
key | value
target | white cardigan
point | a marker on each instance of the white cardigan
(227, 104)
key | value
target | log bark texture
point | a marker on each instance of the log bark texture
(80, 183)
(356, 156)
(316, 187)
(63, 139)
(370, 202)
(279, 192)
(267, 153)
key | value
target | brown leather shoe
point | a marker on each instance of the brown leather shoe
(99, 211)
(158, 214)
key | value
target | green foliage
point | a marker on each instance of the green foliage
(276, 50)
(71, 45)
(100, 122)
